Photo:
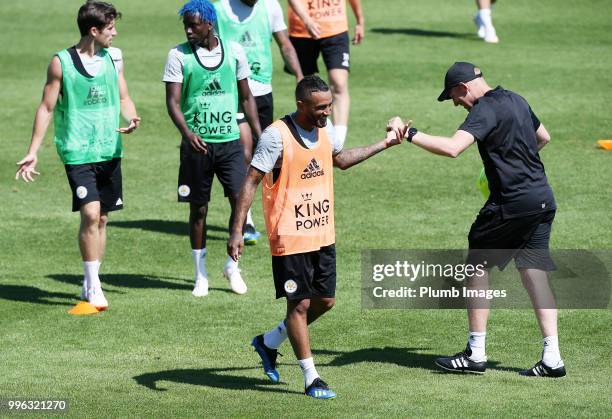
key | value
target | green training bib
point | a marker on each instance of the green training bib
(254, 35)
(87, 113)
(209, 98)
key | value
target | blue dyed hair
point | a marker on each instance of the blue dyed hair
(201, 8)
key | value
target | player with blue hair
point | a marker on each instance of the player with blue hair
(204, 111)
(200, 8)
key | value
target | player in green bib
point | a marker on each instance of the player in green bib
(253, 24)
(86, 93)
(206, 79)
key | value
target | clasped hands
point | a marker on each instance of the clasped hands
(396, 130)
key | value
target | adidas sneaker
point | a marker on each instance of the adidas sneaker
(461, 362)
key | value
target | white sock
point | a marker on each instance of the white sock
(341, 131)
(275, 337)
(309, 370)
(230, 264)
(485, 17)
(199, 263)
(476, 340)
(249, 220)
(92, 279)
(551, 357)
(85, 279)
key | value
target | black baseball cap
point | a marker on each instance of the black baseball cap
(460, 72)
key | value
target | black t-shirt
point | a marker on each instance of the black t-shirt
(504, 127)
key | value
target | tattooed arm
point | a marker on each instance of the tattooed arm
(347, 158)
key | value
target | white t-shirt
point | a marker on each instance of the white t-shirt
(239, 12)
(93, 64)
(173, 72)
(269, 151)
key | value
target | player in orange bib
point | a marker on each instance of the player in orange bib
(295, 157)
(321, 27)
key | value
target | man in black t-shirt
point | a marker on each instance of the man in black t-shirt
(516, 220)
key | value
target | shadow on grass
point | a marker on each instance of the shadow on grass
(29, 294)
(127, 280)
(179, 228)
(403, 357)
(210, 377)
(423, 32)
(134, 281)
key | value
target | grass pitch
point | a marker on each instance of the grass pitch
(160, 352)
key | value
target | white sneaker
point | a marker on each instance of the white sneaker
(490, 35)
(235, 280)
(96, 298)
(480, 25)
(201, 287)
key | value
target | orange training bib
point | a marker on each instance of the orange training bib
(329, 14)
(299, 206)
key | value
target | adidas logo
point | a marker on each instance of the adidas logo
(96, 95)
(312, 170)
(119, 202)
(213, 89)
(247, 40)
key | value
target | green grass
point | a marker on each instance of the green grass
(159, 352)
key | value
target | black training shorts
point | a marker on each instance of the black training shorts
(306, 275)
(196, 172)
(335, 51)
(100, 181)
(497, 240)
(265, 110)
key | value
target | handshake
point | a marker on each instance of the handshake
(397, 130)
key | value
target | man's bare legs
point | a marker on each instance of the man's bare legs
(92, 244)
(339, 83)
(246, 139)
(484, 22)
(535, 282)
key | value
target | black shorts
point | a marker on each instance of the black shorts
(335, 51)
(306, 275)
(96, 182)
(265, 110)
(497, 240)
(196, 172)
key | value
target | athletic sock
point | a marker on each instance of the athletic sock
(476, 340)
(341, 131)
(249, 219)
(485, 17)
(199, 263)
(90, 269)
(310, 372)
(275, 337)
(551, 357)
(230, 264)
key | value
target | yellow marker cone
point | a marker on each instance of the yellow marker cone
(482, 183)
(605, 144)
(83, 308)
